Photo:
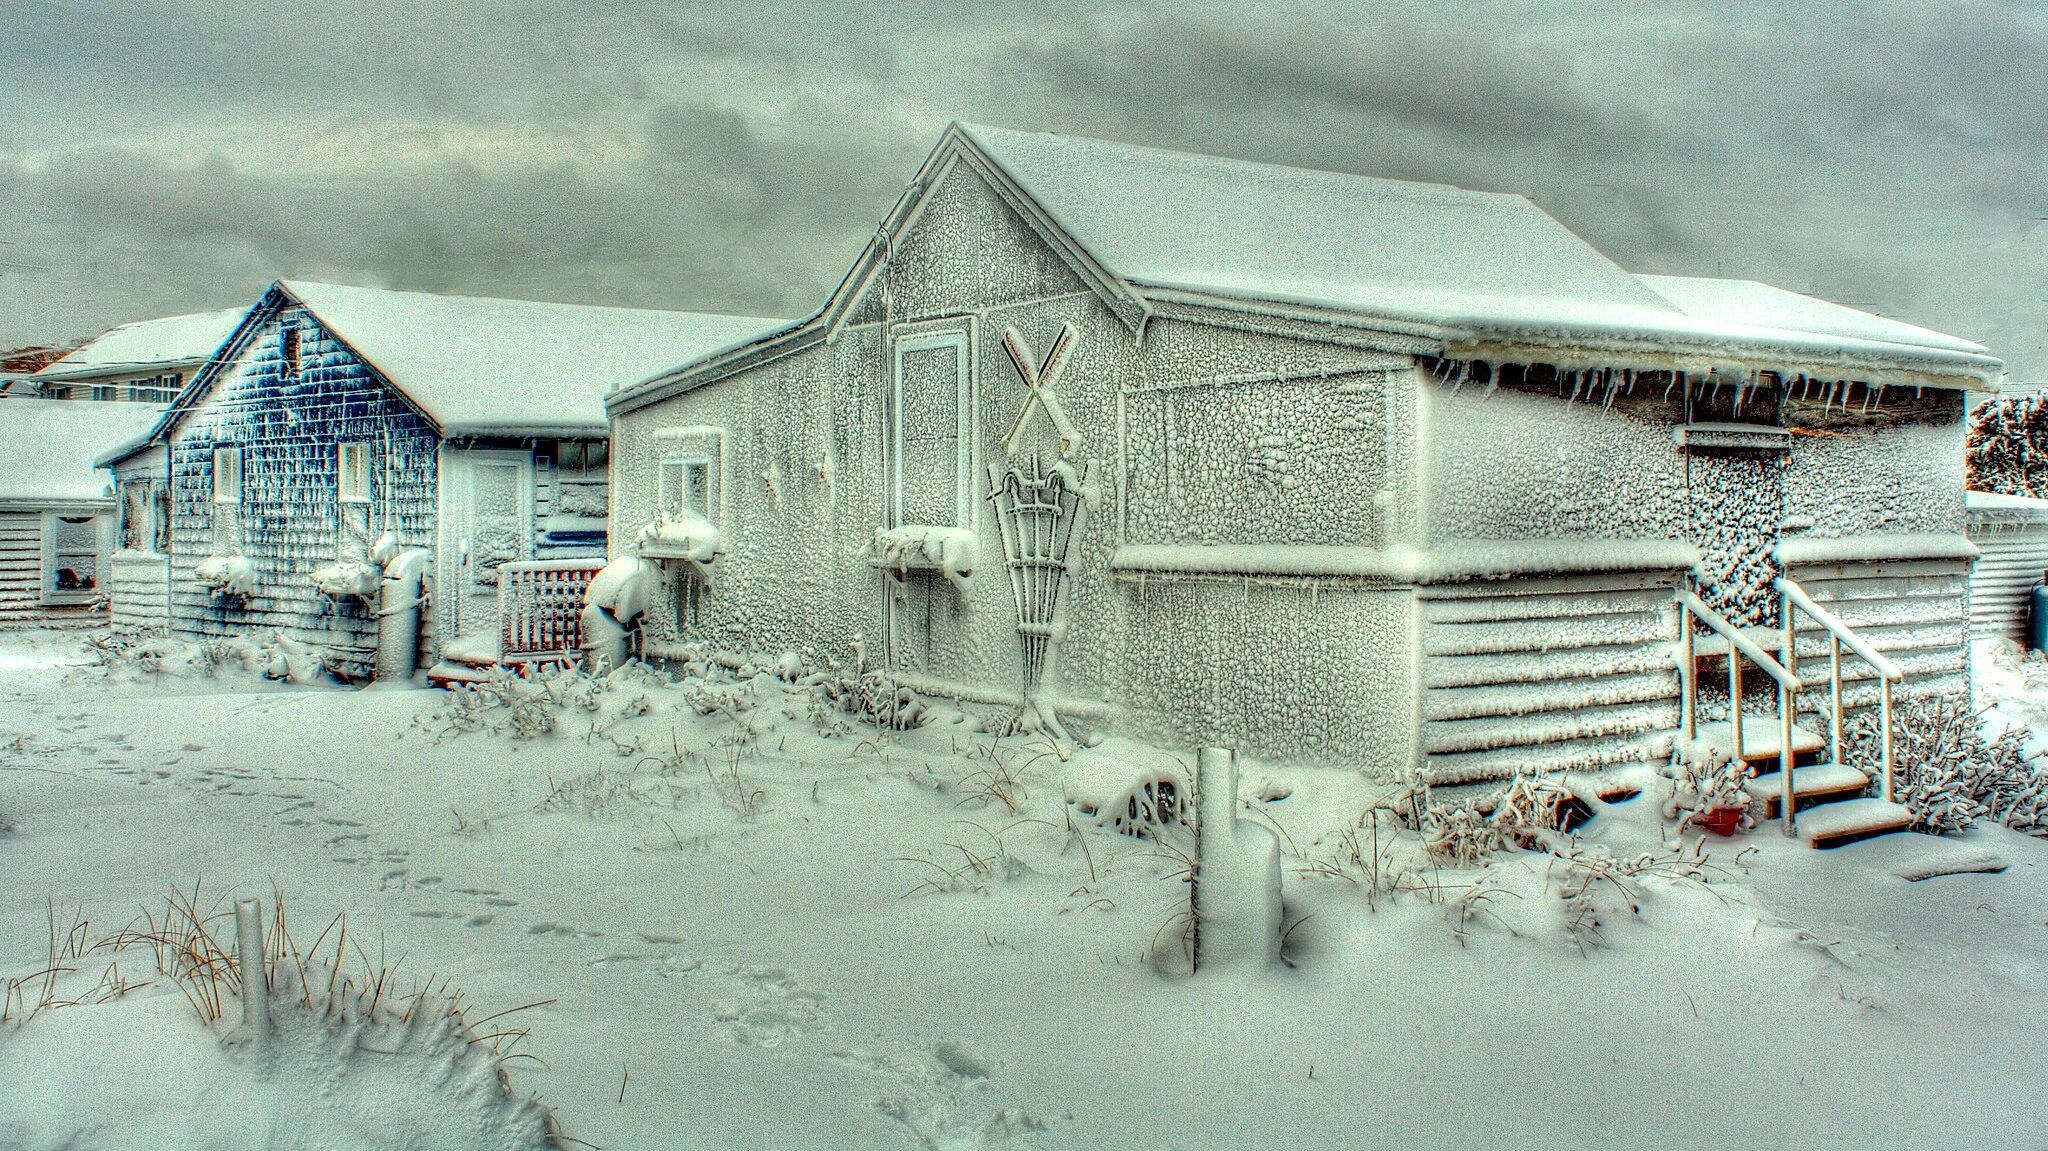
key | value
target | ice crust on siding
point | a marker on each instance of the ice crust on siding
(47, 447)
(1449, 562)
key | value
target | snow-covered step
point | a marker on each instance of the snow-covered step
(1813, 784)
(1838, 823)
(1760, 738)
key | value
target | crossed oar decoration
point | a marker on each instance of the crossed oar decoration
(1038, 384)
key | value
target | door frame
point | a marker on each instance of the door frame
(459, 465)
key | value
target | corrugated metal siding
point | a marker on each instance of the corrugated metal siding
(21, 579)
(2015, 547)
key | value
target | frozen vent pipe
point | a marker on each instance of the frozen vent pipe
(255, 979)
(612, 607)
(1237, 873)
(398, 609)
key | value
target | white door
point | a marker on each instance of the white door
(494, 525)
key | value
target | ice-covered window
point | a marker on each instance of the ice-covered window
(106, 392)
(353, 473)
(688, 486)
(288, 351)
(71, 558)
(582, 459)
(160, 516)
(929, 476)
(227, 475)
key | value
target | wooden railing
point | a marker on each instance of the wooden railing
(540, 607)
(1691, 607)
(1840, 636)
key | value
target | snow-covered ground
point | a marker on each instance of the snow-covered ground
(763, 923)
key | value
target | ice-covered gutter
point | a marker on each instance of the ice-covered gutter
(1444, 563)
(2000, 501)
(1876, 547)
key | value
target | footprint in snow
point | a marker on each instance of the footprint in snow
(771, 1009)
(943, 1102)
(562, 931)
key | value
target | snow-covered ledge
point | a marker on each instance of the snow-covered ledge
(346, 578)
(910, 548)
(1876, 547)
(685, 537)
(1445, 563)
(228, 575)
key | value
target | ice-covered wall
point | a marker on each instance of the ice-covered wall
(1200, 434)
(289, 520)
(1898, 467)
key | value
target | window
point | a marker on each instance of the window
(930, 472)
(106, 392)
(227, 475)
(688, 486)
(71, 558)
(582, 459)
(353, 473)
(160, 516)
(289, 351)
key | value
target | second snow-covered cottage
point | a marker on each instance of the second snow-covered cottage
(57, 521)
(1352, 470)
(341, 434)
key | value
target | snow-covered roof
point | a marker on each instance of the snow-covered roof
(1761, 305)
(47, 447)
(2001, 501)
(1474, 266)
(147, 346)
(481, 366)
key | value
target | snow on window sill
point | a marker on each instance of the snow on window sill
(347, 578)
(911, 548)
(686, 537)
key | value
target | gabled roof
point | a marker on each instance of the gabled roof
(146, 347)
(1466, 270)
(47, 447)
(480, 366)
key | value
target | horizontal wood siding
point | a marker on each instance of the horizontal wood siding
(1546, 674)
(140, 587)
(1917, 613)
(290, 519)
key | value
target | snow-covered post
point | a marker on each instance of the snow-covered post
(398, 609)
(612, 606)
(249, 959)
(1237, 873)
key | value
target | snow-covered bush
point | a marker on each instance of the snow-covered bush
(873, 697)
(2007, 447)
(1701, 780)
(347, 578)
(1945, 772)
(1132, 799)
(228, 575)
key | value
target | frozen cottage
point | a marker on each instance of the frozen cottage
(340, 430)
(56, 509)
(1353, 470)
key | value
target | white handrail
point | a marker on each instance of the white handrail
(1827, 619)
(1742, 643)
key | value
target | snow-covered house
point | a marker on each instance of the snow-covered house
(145, 362)
(340, 430)
(1316, 465)
(56, 526)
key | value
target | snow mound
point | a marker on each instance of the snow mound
(346, 578)
(228, 575)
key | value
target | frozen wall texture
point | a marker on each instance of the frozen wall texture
(289, 520)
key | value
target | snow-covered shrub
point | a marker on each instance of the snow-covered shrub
(1460, 835)
(1702, 780)
(347, 579)
(1138, 800)
(1944, 770)
(2007, 447)
(873, 697)
(228, 575)
(1594, 884)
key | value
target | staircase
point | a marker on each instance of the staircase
(1796, 772)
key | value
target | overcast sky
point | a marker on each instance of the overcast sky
(158, 158)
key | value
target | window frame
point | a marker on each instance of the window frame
(290, 353)
(686, 461)
(233, 454)
(344, 491)
(52, 555)
(959, 338)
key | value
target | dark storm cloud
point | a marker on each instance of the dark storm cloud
(179, 156)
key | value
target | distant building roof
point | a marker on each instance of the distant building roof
(481, 366)
(47, 447)
(147, 346)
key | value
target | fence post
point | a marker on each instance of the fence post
(249, 958)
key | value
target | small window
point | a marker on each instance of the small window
(290, 352)
(72, 558)
(688, 487)
(160, 516)
(227, 475)
(930, 478)
(353, 480)
(582, 459)
(106, 392)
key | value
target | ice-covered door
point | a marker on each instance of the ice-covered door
(496, 526)
(930, 490)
